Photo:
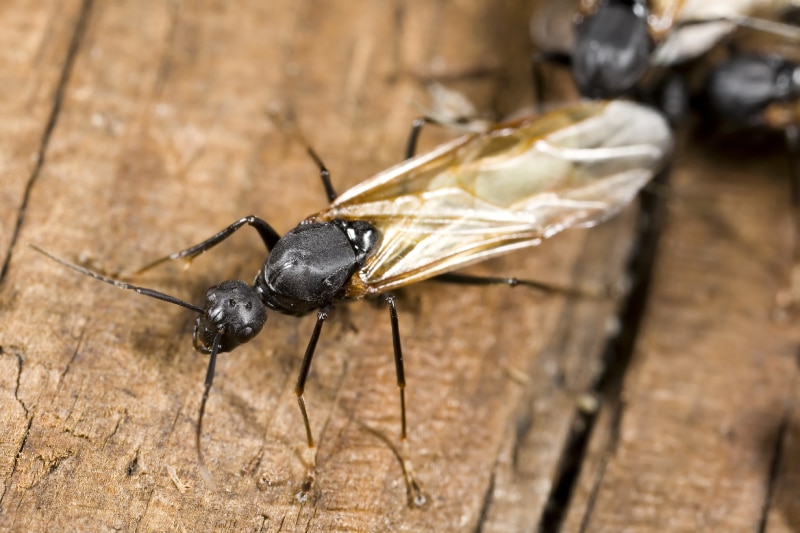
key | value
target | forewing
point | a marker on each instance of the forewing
(686, 29)
(482, 195)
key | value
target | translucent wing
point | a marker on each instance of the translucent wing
(689, 28)
(485, 194)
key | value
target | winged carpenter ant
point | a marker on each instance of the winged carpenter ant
(632, 47)
(475, 197)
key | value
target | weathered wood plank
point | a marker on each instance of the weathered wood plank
(161, 141)
(35, 41)
(784, 503)
(690, 447)
(570, 362)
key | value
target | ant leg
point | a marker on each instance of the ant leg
(792, 299)
(265, 231)
(416, 497)
(289, 127)
(460, 124)
(311, 455)
(413, 136)
(467, 279)
(121, 284)
(537, 60)
(324, 173)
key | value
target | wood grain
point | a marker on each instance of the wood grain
(159, 138)
(692, 442)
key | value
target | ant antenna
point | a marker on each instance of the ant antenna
(121, 284)
(215, 348)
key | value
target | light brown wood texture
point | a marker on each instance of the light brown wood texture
(160, 139)
(709, 395)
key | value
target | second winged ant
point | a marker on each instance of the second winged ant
(628, 47)
(475, 197)
(757, 85)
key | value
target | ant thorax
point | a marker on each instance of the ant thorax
(310, 266)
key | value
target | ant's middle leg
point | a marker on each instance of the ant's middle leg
(265, 231)
(310, 457)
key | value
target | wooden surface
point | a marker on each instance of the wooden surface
(133, 129)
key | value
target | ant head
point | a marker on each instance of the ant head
(612, 50)
(233, 309)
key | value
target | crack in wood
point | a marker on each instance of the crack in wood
(16, 461)
(616, 361)
(774, 468)
(165, 67)
(20, 360)
(488, 497)
(68, 366)
(15, 352)
(120, 420)
(28, 416)
(153, 486)
(77, 38)
(524, 423)
(608, 453)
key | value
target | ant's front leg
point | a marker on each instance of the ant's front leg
(265, 231)
(289, 127)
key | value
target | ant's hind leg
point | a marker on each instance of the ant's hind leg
(416, 497)
(265, 231)
(467, 279)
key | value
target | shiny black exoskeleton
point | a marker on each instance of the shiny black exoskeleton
(307, 269)
(612, 49)
(310, 266)
(233, 308)
(758, 90)
(611, 58)
(741, 88)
